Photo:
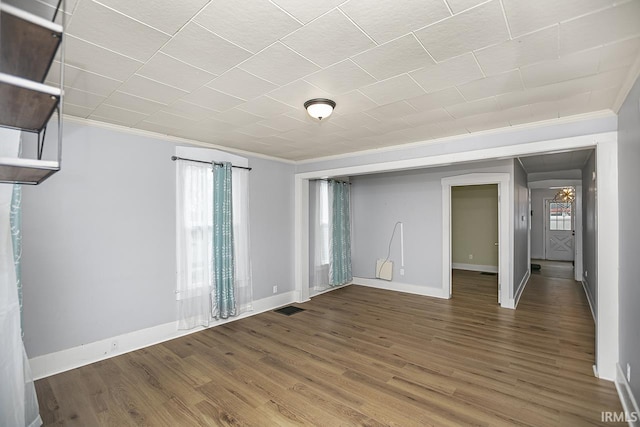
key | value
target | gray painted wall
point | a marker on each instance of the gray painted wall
(629, 273)
(415, 198)
(537, 220)
(521, 218)
(272, 240)
(589, 236)
(99, 247)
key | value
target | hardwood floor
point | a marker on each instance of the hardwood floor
(360, 356)
(557, 269)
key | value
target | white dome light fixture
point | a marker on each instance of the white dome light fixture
(320, 108)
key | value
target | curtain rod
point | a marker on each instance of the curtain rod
(174, 158)
(330, 180)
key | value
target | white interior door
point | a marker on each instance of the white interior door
(559, 231)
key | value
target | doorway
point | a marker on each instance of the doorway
(502, 180)
(474, 234)
(559, 230)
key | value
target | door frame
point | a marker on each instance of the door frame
(503, 180)
(577, 184)
(547, 225)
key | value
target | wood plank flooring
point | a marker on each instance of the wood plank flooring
(558, 269)
(359, 356)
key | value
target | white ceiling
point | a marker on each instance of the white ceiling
(556, 161)
(236, 73)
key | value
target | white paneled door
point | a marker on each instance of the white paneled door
(559, 231)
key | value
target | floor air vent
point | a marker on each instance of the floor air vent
(486, 273)
(288, 310)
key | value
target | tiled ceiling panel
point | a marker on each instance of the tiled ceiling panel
(342, 77)
(601, 27)
(114, 31)
(305, 11)
(150, 89)
(527, 16)
(395, 57)
(393, 89)
(473, 29)
(238, 73)
(167, 16)
(201, 48)
(387, 20)
(132, 102)
(117, 115)
(241, 84)
(170, 71)
(251, 24)
(329, 39)
(83, 80)
(279, 64)
(453, 72)
(440, 98)
(493, 85)
(528, 49)
(186, 109)
(88, 56)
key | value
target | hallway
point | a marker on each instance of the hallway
(554, 269)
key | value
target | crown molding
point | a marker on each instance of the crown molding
(170, 138)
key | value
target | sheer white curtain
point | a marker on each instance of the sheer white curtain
(194, 243)
(18, 401)
(320, 226)
(241, 244)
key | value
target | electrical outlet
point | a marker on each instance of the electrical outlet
(470, 256)
(114, 346)
(275, 289)
(628, 372)
(402, 271)
(586, 273)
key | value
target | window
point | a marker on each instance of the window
(197, 225)
(323, 213)
(560, 218)
(195, 250)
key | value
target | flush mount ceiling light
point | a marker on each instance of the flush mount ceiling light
(320, 108)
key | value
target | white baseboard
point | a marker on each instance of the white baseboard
(475, 267)
(628, 400)
(512, 303)
(75, 357)
(402, 287)
(523, 284)
(585, 286)
(315, 293)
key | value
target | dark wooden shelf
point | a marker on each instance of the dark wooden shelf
(29, 43)
(26, 105)
(26, 171)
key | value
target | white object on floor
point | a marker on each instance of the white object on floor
(384, 269)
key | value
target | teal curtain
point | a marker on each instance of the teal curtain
(16, 237)
(340, 240)
(224, 303)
